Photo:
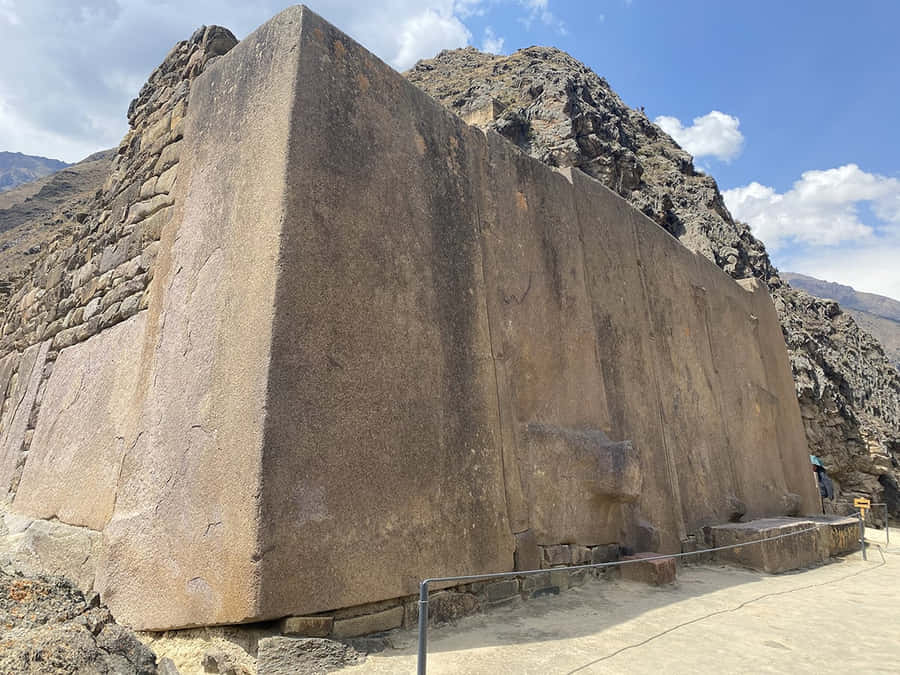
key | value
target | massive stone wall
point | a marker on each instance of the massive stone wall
(380, 345)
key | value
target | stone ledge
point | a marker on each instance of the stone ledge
(653, 572)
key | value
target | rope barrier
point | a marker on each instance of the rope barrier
(423, 585)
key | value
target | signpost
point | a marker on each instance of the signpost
(862, 504)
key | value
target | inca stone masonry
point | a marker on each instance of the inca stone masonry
(325, 340)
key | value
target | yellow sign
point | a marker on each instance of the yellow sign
(862, 503)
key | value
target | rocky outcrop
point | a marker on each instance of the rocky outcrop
(559, 111)
(48, 626)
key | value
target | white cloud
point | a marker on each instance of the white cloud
(712, 135)
(871, 267)
(822, 208)
(7, 13)
(840, 225)
(492, 44)
(426, 34)
(71, 68)
(539, 10)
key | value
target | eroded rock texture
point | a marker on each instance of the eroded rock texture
(48, 626)
(559, 111)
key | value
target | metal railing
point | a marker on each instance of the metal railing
(421, 663)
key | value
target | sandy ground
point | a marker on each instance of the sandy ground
(838, 617)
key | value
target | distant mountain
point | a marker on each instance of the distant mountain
(16, 168)
(33, 213)
(877, 314)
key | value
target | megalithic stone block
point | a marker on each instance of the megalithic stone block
(577, 480)
(320, 426)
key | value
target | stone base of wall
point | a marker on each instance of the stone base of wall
(833, 536)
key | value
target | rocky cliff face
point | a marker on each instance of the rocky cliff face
(559, 111)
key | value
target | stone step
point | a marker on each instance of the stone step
(653, 572)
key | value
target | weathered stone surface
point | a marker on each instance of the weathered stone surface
(443, 607)
(653, 572)
(557, 554)
(48, 628)
(17, 412)
(839, 535)
(307, 626)
(376, 622)
(289, 656)
(607, 553)
(528, 554)
(577, 480)
(87, 411)
(778, 555)
(44, 547)
(501, 590)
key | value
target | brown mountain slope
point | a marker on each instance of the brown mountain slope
(559, 111)
(33, 214)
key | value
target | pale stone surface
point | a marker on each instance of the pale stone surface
(775, 556)
(368, 623)
(87, 411)
(184, 547)
(308, 626)
(17, 412)
(39, 546)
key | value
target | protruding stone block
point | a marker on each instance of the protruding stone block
(368, 623)
(528, 553)
(653, 572)
(576, 478)
(792, 549)
(308, 626)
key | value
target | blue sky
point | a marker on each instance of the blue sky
(793, 106)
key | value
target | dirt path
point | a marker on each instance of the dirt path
(715, 619)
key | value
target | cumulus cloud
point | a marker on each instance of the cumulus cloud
(712, 135)
(539, 10)
(822, 208)
(492, 44)
(72, 66)
(869, 267)
(839, 224)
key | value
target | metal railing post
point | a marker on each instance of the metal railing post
(862, 533)
(887, 526)
(423, 628)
